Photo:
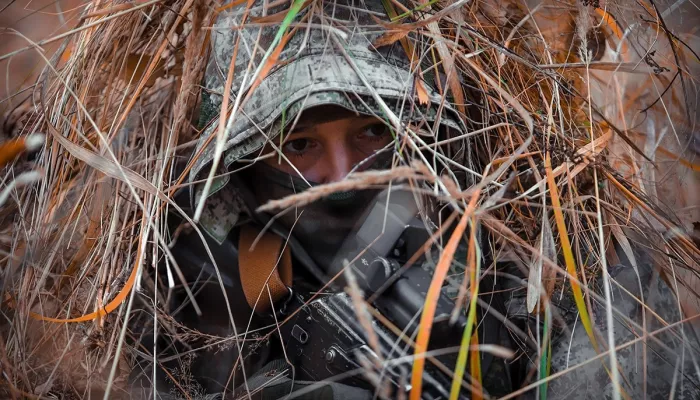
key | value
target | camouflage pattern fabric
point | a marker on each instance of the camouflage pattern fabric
(222, 211)
(310, 71)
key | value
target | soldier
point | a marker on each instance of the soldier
(333, 103)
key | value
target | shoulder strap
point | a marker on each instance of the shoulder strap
(265, 265)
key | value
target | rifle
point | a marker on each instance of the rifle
(325, 339)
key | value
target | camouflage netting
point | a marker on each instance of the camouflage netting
(601, 97)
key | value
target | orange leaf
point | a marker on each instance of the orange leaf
(11, 150)
(228, 6)
(676, 157)
(614, 27)
(14, 147)
(270, 19)
(66, 54)
(111, 306)
(610, 20)
(389, 38)
(271, 61)
(422, 93)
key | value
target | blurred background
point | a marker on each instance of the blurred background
(37, 20)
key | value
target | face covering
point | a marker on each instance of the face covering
(322, 226)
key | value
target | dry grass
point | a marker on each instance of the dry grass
(570, 162)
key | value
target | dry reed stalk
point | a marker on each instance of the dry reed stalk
(559, 90)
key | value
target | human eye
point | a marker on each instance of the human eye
(298, 147)
(375, 132)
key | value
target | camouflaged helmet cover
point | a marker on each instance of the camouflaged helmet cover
(311, 70)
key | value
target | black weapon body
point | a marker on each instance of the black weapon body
(326, 340)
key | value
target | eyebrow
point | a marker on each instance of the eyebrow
(321, 114)
(309, 122)
(301, 125)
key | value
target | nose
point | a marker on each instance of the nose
(339, 161)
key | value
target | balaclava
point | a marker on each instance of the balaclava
(322, 226)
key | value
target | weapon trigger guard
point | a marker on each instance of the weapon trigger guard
(290, 296)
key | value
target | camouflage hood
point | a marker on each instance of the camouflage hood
(331, 53)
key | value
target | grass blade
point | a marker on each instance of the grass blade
(426, 320)
(111, 306)
(474, 262)
(568, 254)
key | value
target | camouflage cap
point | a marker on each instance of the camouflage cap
(311, 70)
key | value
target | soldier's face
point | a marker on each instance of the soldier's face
(328, 142)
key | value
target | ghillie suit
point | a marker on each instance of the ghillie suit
(525, 142)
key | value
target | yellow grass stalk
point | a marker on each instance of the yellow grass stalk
(568, 254)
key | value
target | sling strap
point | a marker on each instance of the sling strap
(267, 264)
